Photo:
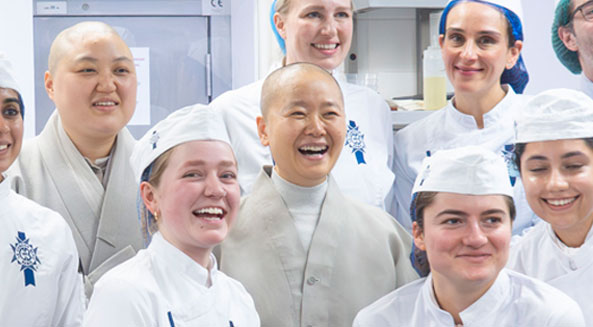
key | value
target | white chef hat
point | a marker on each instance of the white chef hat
(192, 123)
(468, 170)
(7, 75)
(557, 114)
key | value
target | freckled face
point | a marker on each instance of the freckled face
(198, 196)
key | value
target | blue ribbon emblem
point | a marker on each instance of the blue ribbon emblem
(26, 256)
(154, 138)
(355, 140)
(508, 153)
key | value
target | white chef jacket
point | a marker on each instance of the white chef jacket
(39, 280)
(537, 254)
(449, 128)
(513, 300)
(162, 286)
(363, 170)
(586, 85)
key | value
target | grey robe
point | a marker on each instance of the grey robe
(104, 223)
(358, 254)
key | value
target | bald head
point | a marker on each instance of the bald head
(76, 34)
(286, 78)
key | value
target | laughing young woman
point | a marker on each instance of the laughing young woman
(190, 198)
(555, 156)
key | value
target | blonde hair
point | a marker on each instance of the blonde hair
(147, 219)
(282, 6)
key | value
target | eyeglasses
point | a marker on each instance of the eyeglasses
(586, 9)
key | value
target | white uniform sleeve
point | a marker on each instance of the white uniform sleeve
(70, 300)
(117, 303)
(390, 205)
(403, 187)
(567, 314)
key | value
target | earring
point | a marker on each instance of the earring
(156, 216)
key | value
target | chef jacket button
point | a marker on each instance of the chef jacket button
(312, 280)
(573, 265)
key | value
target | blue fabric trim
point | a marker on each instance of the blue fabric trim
(279, 38)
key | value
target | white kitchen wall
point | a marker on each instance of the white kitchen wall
(16, 40)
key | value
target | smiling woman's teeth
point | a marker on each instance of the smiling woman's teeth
(210, 211)
(561, 202)
(106, 103)
(326, 46)
(313, 149)
(3, 146)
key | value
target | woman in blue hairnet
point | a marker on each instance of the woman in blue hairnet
(464, 210)
(554, 152)
(481, 44)
(39, 280)
(319, 32)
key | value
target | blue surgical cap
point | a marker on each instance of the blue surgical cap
(569, 58)
(279, 38)
(517, 77)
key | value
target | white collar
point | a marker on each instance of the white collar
(308, 198)
(181, 263)
(495, 298)
(498, 112)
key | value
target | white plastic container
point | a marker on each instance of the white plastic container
(435, 82)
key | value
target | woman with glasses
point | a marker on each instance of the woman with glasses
(572, 39)
(554, 153)
(481, 44)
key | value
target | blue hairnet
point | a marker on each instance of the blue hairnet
(22, 104)
(279, 38)
(569, 58)
(517, 77)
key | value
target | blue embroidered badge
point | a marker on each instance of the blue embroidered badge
(26, 256)
(355, 140)
(508, 153)
(154, 138)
